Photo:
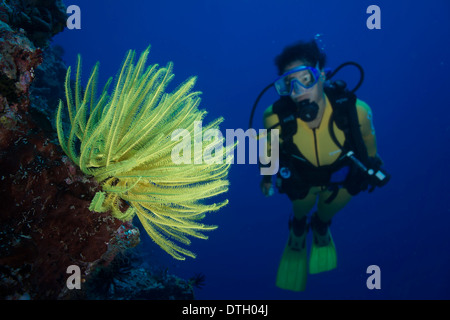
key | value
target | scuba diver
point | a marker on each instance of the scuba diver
(328, 153)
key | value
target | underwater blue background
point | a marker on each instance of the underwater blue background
(230, 45)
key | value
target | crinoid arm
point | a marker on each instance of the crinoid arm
(123, 139)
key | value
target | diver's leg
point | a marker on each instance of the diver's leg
(298, 225)
(326, 211)
(323, 251)
(292, 271)
(303, 206)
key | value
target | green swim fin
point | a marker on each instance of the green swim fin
(323, 251)
(292, 271)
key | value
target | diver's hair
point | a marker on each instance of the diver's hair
(308, 52)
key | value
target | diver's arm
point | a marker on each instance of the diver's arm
(381, 176)
(367, 128)
(270, 119)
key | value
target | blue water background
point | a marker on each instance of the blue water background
(230, 45)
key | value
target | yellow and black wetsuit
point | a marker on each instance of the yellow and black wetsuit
(321, 153)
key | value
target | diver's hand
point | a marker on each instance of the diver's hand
(267, 188)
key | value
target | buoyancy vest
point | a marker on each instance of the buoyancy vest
(297, 174)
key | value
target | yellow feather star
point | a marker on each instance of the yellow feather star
(124, 142)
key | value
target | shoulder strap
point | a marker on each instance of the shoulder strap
(345, 116)
(285, 109)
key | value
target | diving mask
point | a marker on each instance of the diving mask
(297, 80)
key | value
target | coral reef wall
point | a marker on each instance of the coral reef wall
(40, 19)
(45, 224)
